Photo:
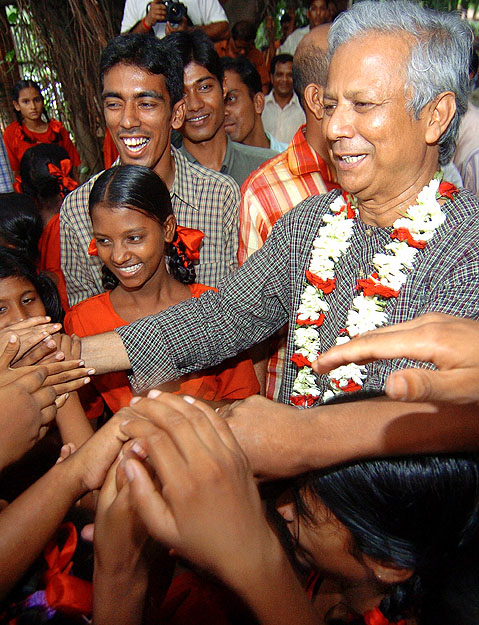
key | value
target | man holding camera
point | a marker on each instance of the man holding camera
(166, 16)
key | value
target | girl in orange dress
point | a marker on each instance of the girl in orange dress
(33, 126)
(147, 268)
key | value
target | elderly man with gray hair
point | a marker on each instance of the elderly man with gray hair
(395, 244)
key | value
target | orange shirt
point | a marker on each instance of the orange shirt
(18, 138)
(233, 379)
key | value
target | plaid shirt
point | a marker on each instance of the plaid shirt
(201, 199)
(6, 183)
(258, 299)
(269, 193)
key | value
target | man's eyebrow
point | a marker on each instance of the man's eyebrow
(141, 94)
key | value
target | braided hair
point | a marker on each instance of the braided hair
(37, 181)
(139, 188)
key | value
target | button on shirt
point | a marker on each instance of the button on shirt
(282, 123)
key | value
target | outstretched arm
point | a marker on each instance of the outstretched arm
(208, 508)
(451, 343)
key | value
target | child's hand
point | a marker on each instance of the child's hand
(35, 336)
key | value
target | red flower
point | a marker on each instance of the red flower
(370, 287)
(302, 400)
(403, 234)
(350, 387)
(311, 322)
(300, 361)
(376, 617)
(326, 286)
(446, 189)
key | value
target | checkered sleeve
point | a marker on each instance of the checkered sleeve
(251, 304)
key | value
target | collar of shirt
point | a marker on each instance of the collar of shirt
(183, 186)
(293, 103)
(302, 159)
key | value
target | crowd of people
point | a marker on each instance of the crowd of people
(240, 364)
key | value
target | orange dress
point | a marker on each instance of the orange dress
(50, 257)
(233, 379)
(18, 139)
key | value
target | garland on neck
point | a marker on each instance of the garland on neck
(410, 234)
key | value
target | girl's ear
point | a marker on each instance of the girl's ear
(387, 572)
(16, 105)
(170, 228)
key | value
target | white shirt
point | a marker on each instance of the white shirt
(291, 43)
(282, 123)
(200, 12)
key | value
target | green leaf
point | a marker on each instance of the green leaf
(10, 55)
(12, 14)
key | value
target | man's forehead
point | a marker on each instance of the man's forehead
(195, 73)
(137, 77)
(287, 66)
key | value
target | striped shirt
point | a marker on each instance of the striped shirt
(201, 199)
(261, 296)
(269, 193)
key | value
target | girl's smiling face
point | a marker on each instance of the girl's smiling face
(18, 300)
(131, 244)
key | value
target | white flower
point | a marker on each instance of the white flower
(305, 383)
(345, 373)
(312, 303)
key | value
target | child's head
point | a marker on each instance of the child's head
(28, 101)
(45, 172)
(134, 227)
(402, 524)
(23, 292)
(20, 225)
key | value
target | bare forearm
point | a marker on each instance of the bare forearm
(28, 523)
(216, 31)
(118, 598)
(379, 427)
(105, 353)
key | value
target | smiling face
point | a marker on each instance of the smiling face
(282, 80)
(240, 111)
(138, 115)
(131, 244)
(29, 104)
(18, 300)
(324, 543)
(379, 150)
(203, 96)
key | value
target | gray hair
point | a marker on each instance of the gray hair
(310, 65)
(439, 59)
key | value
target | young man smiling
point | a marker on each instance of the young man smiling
(142, 95)
(204, 136)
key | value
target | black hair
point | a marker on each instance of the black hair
(196, 47)
(149, 53)
(420, 513)
(15, 94)
(37, 181)
(139, 188)
(246, 71)
(14, 264)
(244, 30)
(279, 58)
(20, 224)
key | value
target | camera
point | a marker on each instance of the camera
(175, 11)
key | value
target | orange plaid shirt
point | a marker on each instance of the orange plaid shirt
(266, 195)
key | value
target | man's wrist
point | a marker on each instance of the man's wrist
(145, 24)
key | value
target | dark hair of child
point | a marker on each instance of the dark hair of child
(139, 188)
(20, 225)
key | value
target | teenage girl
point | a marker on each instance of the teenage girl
(33, 126)
(146, 269)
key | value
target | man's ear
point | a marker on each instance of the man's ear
(439, 115)
(178, 115)
(387, 572)
(258, 101)
(313, 98)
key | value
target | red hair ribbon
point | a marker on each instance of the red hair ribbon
(61, 173)
(92, 248)
(65, 592)
(376, 617)
(191, 239)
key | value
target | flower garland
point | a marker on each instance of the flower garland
(410, 234)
